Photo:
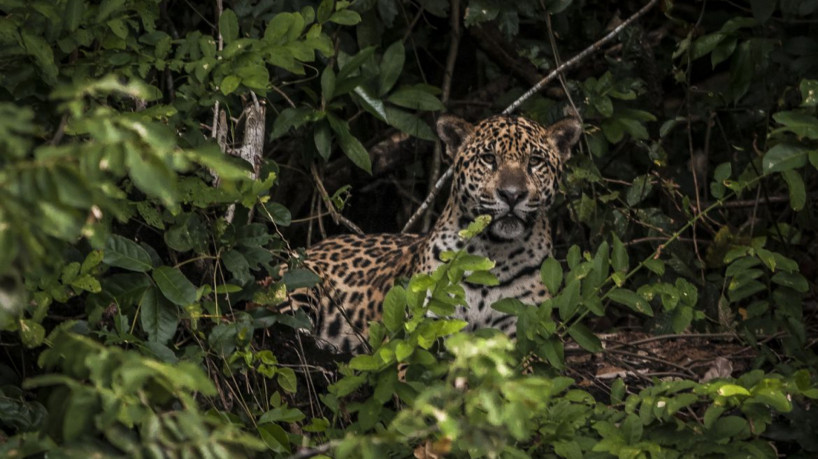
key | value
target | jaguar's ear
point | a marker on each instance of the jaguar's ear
(452, 131)
(566, 133)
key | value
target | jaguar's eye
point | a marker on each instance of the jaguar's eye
(536, 161)
(489, 159)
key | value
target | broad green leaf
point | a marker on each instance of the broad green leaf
(619, 256)
(287, 380)
(553, 351)
(795, 281)
(108, 7)
(797, 190)
(348, 66)
(482, 278)
(630, 299)
(551, 275)
(370, 103)
(801, 123)
(174, 285)
(416, 99)
(391, 67)
(275, 437)
(325, 10)
(300, 278)
(585, 337)
(345, 17)
(126, 254)
(322, 136)
(281, 215)
(394, 308)
(151, 175)
(409, 123)
(157, 316)
(41, 51)
(328, 84)
(350, 145)
(229, 84)
(229, 26)
(784, 156)
(74, 10)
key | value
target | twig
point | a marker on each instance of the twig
(554, 73)
(582, 55)
(428, 201)
(336, 217)
(451, 59)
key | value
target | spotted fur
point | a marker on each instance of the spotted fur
(504, 166)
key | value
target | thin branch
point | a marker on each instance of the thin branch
(336, 217)
(451, 59)
(582, 55)
(556, 72)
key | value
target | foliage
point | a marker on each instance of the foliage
(138, 320)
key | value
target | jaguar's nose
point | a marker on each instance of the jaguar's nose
(512, 195)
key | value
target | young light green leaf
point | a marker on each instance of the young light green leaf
(126, 254)
(229, 84)
(345, 17)
(174, 285)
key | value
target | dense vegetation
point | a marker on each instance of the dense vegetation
(139, 249)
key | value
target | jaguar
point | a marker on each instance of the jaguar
(507, 167)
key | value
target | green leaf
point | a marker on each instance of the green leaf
(619, 256)
(152, 175)
(174, 285)
(328, 84)
(74, 10)
(801, 123)
(126, 254)
(585, 337)
(370, 103)
(345, 17)
(809, 93)
(229, 26)
(281, 215)
(41, 51)
(229, 84)
(630, 299)
(797, 190)
(348, 66)
(795, 281)
(553, 351)
(394, 309)
(551, 275)
(482, 278)
(300, 278)
(275, 437)
(416, 99)
(409, 123)
(287, 380)
(784, 156)
(323, 139)
(350, 145)
(157, 316)
(762, 9)
(391, 67)
(32, 333)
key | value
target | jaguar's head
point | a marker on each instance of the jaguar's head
(507, 167)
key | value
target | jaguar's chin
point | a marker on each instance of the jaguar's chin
(508, 227)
